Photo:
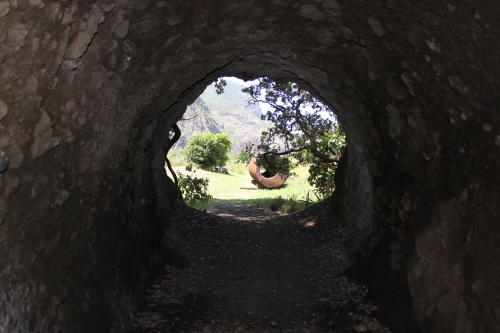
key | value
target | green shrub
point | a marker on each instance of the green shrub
(286, 206)
(275, 204)
(292, 205)
(193, 188)
(321, 175)
(208, 150)
(310, 200)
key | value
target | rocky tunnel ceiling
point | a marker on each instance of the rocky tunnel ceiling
(88, 91)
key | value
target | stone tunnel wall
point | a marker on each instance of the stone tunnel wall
(89, 89)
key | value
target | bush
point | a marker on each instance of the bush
(208, 150)
(321, 175)
(193, 188)
(286, 206)
(292, 205)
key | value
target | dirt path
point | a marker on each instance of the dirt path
(251, 270)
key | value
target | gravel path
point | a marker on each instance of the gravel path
(251, 270)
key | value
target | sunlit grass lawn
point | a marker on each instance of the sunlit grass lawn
(226, 187)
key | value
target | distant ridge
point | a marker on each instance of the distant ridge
(227, 113)
(197, 120)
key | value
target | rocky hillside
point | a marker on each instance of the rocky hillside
(197, 119)
(227, 113)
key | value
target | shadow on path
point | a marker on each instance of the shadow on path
(252, 270)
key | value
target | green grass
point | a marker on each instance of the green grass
(226, 187)
(177, 158)
(292, 196)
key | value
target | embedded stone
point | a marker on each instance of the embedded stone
(4, 8)
(431, 43)
(9, 184)
(451, 8)
(496, 312)
(487, 127)
(422, 247)
(53, 10)
(376, 26)
(435, 138)
(42, 136)
(69, 11)
(122, 30)
(310, 11)
(3, 211)
(55, 301)
(397, 88)
(16, 36)
(74, 235)
(325, 36)
(36, 3)
(4, 161)
(61, 198)
(457, 83)
(330, 4)
(51, 313)
(42, 291)
(406, 201)
(52, 245)
(83, 38)
(394, 121)
(11, 149)
(4, 108)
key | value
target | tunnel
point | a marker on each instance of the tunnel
(90, 89)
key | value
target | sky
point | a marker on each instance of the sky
(265, 107)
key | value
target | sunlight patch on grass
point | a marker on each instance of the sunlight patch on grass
(286, 198)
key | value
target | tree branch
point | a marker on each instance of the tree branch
(171, 142)
(293, 150)
(188, 119)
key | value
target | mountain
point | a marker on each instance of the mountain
(232, 99)
(227, 113)
(197, 120)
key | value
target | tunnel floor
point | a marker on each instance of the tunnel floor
(251, 270)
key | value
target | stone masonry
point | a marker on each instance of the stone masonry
(89, 90)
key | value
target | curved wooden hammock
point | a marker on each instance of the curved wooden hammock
(269, 182)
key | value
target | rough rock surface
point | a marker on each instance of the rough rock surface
(89, 90)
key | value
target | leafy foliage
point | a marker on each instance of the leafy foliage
(273, 164)
(321, 175)
(194, 188)
(219, 85)
(303, 127)
(246, 152)
(208, 150)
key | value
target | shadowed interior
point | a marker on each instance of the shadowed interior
(89, 91)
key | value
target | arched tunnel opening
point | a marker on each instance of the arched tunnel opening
(395, 298)
(89, 91)
(225, 297)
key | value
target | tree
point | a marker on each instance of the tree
(321, 175)
(302, 127)
(208, 150)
